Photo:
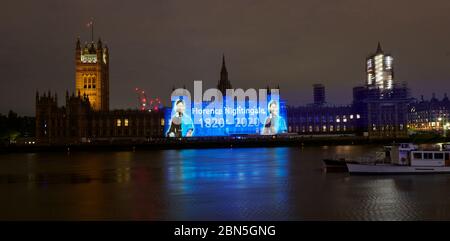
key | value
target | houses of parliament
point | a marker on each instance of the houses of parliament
(379, 108)
(86, 115)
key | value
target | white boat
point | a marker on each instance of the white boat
(406, 158)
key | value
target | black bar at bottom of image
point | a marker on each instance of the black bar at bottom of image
(211, 230)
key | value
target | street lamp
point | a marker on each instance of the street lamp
(446, 127)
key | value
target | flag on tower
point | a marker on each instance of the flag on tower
(90, 24)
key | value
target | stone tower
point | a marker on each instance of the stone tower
(92, 73)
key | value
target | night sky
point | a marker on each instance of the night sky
(157, 44)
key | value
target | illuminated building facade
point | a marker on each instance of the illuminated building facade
(429, 115)
(383, 115)
(382, 104)
(242, 112)
(379, 108)
(86, 117)
(322, 119)
(379, 70)
(77, 122)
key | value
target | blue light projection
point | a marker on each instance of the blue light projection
(233, 117)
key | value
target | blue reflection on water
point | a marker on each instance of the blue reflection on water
(212, 184)
(239, 178)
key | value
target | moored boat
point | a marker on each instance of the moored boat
(355, 168)
(405, 158)
(335, 165)
(339, 164)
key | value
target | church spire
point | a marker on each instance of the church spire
(223, 72)
(78, 45)
(99, 44)
(224, 83)
(379, 49)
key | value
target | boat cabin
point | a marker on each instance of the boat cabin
(408, 154)
(430, 158)
(400, 153)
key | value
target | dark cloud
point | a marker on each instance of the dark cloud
(157, 44)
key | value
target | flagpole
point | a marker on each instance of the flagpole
(92, 29)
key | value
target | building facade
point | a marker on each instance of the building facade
(379, 108)
(322, 119)
(382, 103)
(86, 117)
(383, 114)
(429, 115)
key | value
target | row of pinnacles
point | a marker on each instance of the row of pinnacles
(64, 124)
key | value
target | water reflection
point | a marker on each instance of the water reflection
(211, 184)
(236, 180)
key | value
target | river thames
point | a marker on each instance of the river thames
(211, 184)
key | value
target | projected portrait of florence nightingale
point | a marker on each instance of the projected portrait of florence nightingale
(181, 125)
(274, 123)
